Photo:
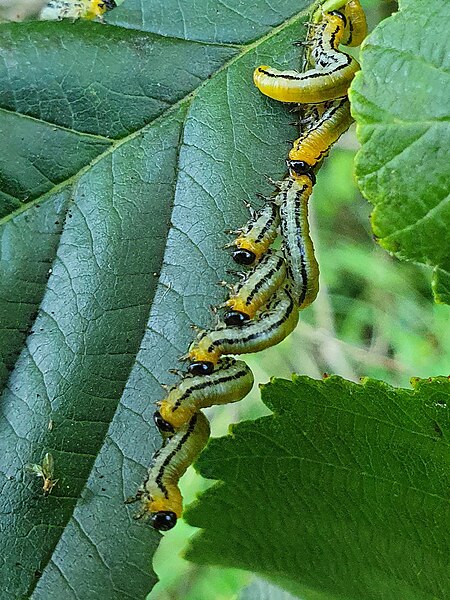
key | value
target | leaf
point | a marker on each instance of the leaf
(128, 155)
(259, 589)
(400, 103)
(351, 498)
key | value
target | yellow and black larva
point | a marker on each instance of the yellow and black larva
(75, 9)
(257, 235)
(263, 308)
(331, 77)
(314, 144)
(298, 248)
(230, 381)
(257, 287)
(270, 326)
(160, 496)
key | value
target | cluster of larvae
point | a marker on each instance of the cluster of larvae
(263, 307)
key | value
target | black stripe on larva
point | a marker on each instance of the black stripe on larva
(251, 337)
(268, 224)
(206, 384)
(169, 457)
(300, 243)
(314, 75)
(260, 283)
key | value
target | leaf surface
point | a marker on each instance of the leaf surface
(351, 497)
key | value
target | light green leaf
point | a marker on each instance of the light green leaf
(400, 103)
(129, 154)
(351, 494)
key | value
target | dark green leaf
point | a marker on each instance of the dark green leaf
(351, 498)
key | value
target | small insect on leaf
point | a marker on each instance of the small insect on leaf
(44, 470)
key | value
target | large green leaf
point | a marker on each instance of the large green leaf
(128, 153)
(400, 102)
(351, 494)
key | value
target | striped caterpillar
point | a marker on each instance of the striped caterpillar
(160, 495)
(333, 72)
(256, 288)
(298, 248)
(230, 381)
(257, 235)
(77, 9)
(311, 147)
(270, 327)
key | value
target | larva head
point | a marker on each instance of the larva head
(164, 426)
(164, 520)
(235, 318)
(244, 257)
(201, 368)
(297, 168)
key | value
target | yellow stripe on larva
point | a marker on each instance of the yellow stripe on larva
(298, 248)
(329, 80)
(160, 495)
(230, 381)
(269, 327)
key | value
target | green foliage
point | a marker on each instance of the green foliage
(351, 498)
(400, 102)
(130, 147)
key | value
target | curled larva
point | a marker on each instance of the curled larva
(160, 495)
(270, 326)
(256, 288)
(230, 381)
(331, 77)
(298, 249)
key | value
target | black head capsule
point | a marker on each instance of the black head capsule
(244, 257)
(235, 318)
(300, 167)
(201, 368)
(164, 520)
(162, 424)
